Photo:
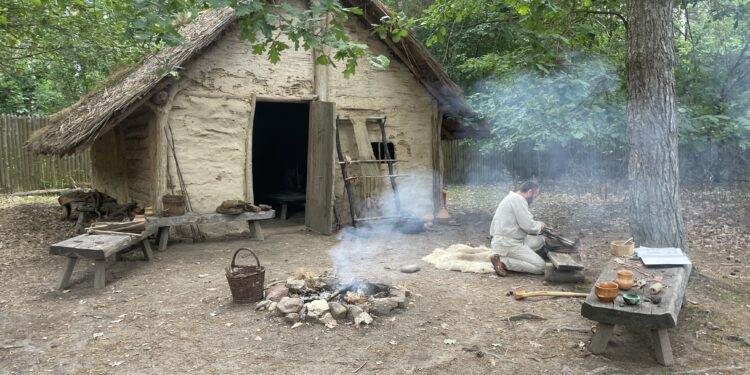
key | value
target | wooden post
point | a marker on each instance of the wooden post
(662, 347)
(147, 253)
(100, 274)
(601, 338)
(70, 263)
(249, 196)
(255, 230)
(163, 238)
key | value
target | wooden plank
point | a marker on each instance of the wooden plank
(147, 253)
(320, 167)
(207, 218)
(565, 261)
(645, 314)
(4, 165)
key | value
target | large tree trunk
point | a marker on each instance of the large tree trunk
(655, 215)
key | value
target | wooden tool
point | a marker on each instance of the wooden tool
(521, 294)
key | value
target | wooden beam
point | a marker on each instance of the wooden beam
(249, 195)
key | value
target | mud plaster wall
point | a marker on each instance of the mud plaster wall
(211, 114)
(395, 93)
(122, 160)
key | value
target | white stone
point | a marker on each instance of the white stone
(317, 308)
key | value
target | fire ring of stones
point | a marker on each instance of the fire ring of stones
(330, 301)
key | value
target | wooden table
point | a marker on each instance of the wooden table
(164, 223)
(656, 317)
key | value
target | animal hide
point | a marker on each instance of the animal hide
(462, 258)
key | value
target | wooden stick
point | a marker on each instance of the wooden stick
(359, 368)
(519, 295)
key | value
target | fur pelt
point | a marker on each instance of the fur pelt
(460, 257)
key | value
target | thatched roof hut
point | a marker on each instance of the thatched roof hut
(143, 123)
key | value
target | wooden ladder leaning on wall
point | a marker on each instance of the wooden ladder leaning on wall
(369, 165)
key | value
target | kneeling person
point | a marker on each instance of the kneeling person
(515, 233)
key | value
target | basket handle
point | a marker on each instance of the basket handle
(232, 265)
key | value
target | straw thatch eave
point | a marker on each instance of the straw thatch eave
(78, 126)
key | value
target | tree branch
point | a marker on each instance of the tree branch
(608, 13)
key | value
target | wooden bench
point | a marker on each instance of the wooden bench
(164, 223)
(99, 247)
(656, 317)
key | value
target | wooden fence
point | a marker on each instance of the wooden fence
(22, 170)
(464, 162)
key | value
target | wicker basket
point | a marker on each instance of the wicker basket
(174, 204)
(246, 282)
(622, 248)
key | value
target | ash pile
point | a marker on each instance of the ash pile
(329, 301)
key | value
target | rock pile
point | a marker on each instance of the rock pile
(329, 302)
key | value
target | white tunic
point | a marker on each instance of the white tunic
(513, 220)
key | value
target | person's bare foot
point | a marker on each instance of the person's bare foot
(499, 266)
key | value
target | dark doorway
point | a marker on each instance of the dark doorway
(280, 135)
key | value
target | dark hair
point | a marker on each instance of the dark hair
(528, 185)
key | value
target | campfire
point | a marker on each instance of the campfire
(330, 301)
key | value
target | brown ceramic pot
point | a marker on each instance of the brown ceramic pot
(624, 279)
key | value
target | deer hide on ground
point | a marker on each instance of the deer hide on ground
(460, 257)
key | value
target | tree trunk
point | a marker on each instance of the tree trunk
(655, 214)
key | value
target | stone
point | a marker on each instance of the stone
(295, 285)
(262, 304)
(410, 268)
(273, 310)
(277, 292)
(328, 320)
(291, 318)
(383, 306)
(289, 305)
(317, 308)
(362, 318)
(353, 311)
(337, 310)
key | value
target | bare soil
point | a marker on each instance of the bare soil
(175, 315)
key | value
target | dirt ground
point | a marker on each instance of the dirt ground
(175, 315)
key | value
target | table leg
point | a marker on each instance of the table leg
(100, 274)
(70, 263)
(662, 347)
(255, 230)
(163, 238)
(283, 211)
(601, 338)
(147, 249)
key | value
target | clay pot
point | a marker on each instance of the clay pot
(606, 291)
(624, 279)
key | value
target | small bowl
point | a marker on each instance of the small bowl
(631, 299)
(606, 291)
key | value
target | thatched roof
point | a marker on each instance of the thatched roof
(78, 126)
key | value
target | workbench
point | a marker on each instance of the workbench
(658, 318)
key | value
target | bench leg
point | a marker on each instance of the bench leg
(100, 274)
(70, 263)
(662, 347)
(163, 238)
(255, 230)
(283, 213)
(601, 338)
(147, 249)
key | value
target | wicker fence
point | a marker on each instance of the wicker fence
(22, 170)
